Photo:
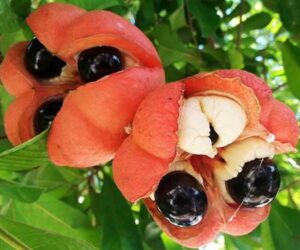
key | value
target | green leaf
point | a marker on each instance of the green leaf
(171, 49)
(118, 230)
(20, 191)
(236, 59)
(28, 155)
(94, 4)
(205, 15)
(257, 21)
(271, 4)
(291, 62)
(4, 143)
(49, 214)
(5, 98)
(8, 39)
(172, 245)
(15, 235)
(289, 13)
(145, 18)
(21, 8)
(8, 19)
(281, 230)
(177, 19)
(240, 243)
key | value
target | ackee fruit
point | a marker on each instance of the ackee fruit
(102, 67)
(215, 128)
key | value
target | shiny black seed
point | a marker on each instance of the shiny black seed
(213, 136)
(181, 199)
(40, 62)
(97, 62)
(257, 184)
(45, 114)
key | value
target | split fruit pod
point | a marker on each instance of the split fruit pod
(195, 141)
(85, 75)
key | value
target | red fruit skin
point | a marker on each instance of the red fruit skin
(155, 124)
(137, 172)
(91, 123)
(103, 28)
(275, 116)
(134, 177)
(13, 117)
(280, 120)
(13, 74)
(212, 223)
(260, 88)
(50, 21)
(140, 162)
(18, 118)
(241, 221)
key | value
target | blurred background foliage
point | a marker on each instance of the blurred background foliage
(44, 207)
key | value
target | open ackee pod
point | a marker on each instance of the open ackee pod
(111, 60)
(199, 126)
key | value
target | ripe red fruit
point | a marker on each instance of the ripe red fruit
(91, 124)
(167, 135)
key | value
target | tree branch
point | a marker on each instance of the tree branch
(279, 87)
(190, 25)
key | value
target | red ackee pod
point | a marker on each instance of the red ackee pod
(275, 116)
(93, 120)
(156, 145)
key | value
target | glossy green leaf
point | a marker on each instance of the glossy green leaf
(291, 62)
(21, 8)
(118, 230)
(14, 235)
(5, 99)
(19, 191)
(236, 59)
(281, 230)
(206, 16)
(257, 21)
(171, 49)
(4, 143)
(241, 243)
(28, 155)
(289, 13)
(271, 4)
(93, 4)
(9, 21)
(146, 16)
(49, 214)
(177, 19)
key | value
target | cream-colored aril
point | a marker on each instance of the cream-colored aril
(193, 135)
(225, 115)
(237, 154)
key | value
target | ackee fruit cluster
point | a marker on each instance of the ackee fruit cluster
(197, 151)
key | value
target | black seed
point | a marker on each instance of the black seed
(40, 62)
(97, 62)
(181, 199)
(213, 136)
(45, 114)
(257, 184)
